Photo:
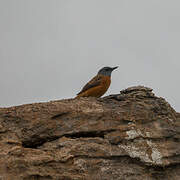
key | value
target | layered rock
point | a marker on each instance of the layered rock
(131, 135)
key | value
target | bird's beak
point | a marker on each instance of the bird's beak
(114, 68)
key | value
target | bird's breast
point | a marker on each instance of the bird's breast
(105, 83)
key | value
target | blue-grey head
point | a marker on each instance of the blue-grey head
(106, 71)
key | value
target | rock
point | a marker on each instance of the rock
(131, 135)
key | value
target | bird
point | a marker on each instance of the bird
(98, 85)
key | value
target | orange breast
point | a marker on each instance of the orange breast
(99, 90)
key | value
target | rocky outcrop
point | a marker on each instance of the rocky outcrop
(131, 135)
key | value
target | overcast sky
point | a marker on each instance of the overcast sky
(50, 48)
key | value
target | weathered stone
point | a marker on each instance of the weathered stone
(131, 135)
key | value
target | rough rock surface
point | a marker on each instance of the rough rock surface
(133, 135)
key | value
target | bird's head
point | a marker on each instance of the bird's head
(106, 71)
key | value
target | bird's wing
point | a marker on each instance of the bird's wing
(96, 81)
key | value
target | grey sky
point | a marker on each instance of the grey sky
(50, 48)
